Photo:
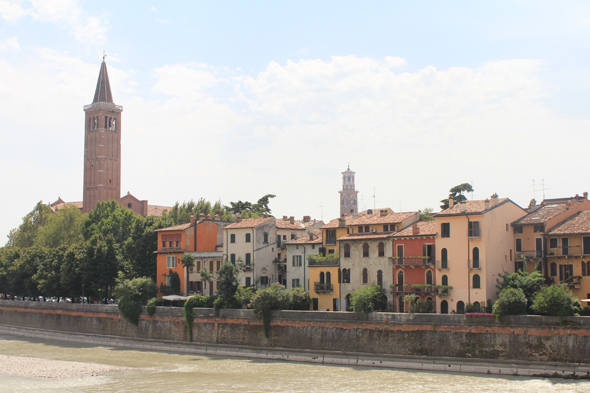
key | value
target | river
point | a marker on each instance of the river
(148, 371)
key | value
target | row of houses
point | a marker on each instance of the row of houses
(448, 260)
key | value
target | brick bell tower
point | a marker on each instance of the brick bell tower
(102, 145)
(348, 195)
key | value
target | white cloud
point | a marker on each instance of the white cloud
(584, 22)
(10, 43)
(12, 10)
(163, 21)
(153, 9)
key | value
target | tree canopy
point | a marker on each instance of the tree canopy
(456, 193)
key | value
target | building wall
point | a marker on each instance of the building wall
(325, 299)
(580, 286)
(300, 272)
(340, 232)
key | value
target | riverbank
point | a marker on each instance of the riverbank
(424, 363)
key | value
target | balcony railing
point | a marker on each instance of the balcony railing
(474, 232)
(475, 264)
(321, 287)
(529, 254)
(442, 264)
(246, 268)
(412, 261)
(420, 288)
(330, 241)
(278, 261)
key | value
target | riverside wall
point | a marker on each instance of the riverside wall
(521, 338)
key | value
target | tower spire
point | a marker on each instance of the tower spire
(103, 86)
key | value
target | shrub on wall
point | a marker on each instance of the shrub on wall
(369, 299)
(299, 299)
(555, 300)
(275, 297)
(152, 304)
(130, 310)
(511, 301)
(244, 296)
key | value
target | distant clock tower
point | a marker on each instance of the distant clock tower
(102, 146)
(348, 195)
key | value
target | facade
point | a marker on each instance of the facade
(287, 229)
(530, 232)
(474, 245)
(204, 240)
(414, 264)
(298, 251)
(348, 194)
(568, 255)
(324, 285)
(250, 244)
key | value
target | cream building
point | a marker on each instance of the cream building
(297, 252)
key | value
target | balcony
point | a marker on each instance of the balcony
(532, 254)
(474, 233)
(414, 288)
(573, 282)
(330, 241)
(246, 268)
(278, 261)
(329, 260)
(411, 261)
(475, 264)
(443, 265)
(322, 287)
(281, 243)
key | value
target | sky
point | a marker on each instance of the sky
(233, 100)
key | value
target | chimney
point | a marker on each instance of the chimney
(201, 216)
(292, 220)
(451, 201)
(306, 218)
(208, 216)
(487, 203)
(265, 215)
(462, 207)
(383, 213)
(193, 219)
(415, 229)
(494, 200)
(342, 220)
(238, 218)
(284, 218)
(216, 217)
(585, 195)
(532, 203)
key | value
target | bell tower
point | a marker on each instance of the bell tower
(348, 195)
(102, 145)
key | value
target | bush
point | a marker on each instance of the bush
(369, 299)
(299, 299)
(193, 302)
(244, 296)
(139, 289)
(530, 283)
(511, 301)
(473, 308)
(585, 311)
(130, 310)
(152, 304)
(275, 297)
(555, 300)
(227, 286)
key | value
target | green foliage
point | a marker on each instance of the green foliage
(187, 260)
(585, 311)
(247, 208)
(152, 304)
(139, 247)
(275, 297)
(189, 310)
(442, 290)
(227, 285)
(511, 301)
(410, 300)
(181, 213)
(473, 308)
(174, 281)
(457, 194)
(109, 219)
(299, 299)
(369, 299)
(140, 289)
(26, 234)
(62, 228)
(555, 300)
(130, 310)
(244, 296)
(425, 214)
(206, 275)
(530, 283)
(320, 259)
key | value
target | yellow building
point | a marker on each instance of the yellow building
(324, 286)
(568, 255)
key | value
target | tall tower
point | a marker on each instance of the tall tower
(102, 145)
(348, 195)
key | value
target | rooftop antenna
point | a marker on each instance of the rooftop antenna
(543, 186)
(321, 206)
(363, 201)
(374, 199)
(535, 190)
(104, 54)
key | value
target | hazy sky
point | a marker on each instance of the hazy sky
(237, 99)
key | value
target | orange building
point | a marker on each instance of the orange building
(204, 240)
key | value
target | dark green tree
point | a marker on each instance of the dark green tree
(555, 300)
(26, 234)
(457, 194)
(530, 283)
(511, 301)
(109, 219)
(369, 299)
(62, 228)
(227, 285)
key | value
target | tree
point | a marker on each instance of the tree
(139, 289)
(100, 265)
(244, 296)
(275, 297)
(457, 194)
(555, 300)
(181, 212)
(227, 285)
(139, 247)
(206, 275)
(249, 210)
(425, 214)
(369, 299)
(187, 261)
(511, 301)
(299, 299)
(530, 283)
(25, 235)
(109, 219)
(62, 228)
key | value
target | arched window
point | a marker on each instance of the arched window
(343, 201)
(346, 276)
(444, 307)
(476, 305)
(129, 205)
(400, 304)
(328, 278)
(460, 307)
(429, 277)
(366, 250)
(553, 269)
(444, 262)
(476, 281)
(400, 278)
(475, 257)
(322, 278)
(347, 250)
(381, 249)
(106, 122)
(90, 123)
(445, 280)
(583, 268)
(339, 276)
(365, 276)
(380, 278)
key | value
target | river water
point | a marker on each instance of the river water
(147, 371)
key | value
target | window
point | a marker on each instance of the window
(510, 255)
(428, 251)
(400, 252)
(322, 277)
(295, 283)
(265, 238)
(400, 278)
(385, 228)
(519, 265)
(232, 259)
(445, 229)
(444, 307)
(429, 277)
(330, 237)
(444, 261)
(297, 260)
(264, 280)
(584, 268)
(565, 243)
(163, 244)
(475, 262)
(347, 250)
(565, 272)
(473, 229)
(445, 280)
(517, 229)
(177, 244)
(367, 228)
(330, 251)
(248, 282)
(218, 265)
(248, 259)
(460, 307)
(553, 242)
(284, 237)
(339, 276)
(539, 246)
(232, 238)
(346, 276)
(518, 245)
(476, 281)
(198, 266)
(328, 278)
(365, 276)
(248, 237)
(380, 278)
(381, 249)
(539, 228)
(360, 228)
(171, 262)
(365, 250)
(210, 266)
(553, 269)
(586, 245)
(293, 236)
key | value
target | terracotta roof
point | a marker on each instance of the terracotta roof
(578, 223)
(426, 228)
(180, 227)
(541, 215)
(367, 236)
(157, 211)
(249, 223)
(471, 207)
(335, 223)
(377, 218)
(304, 239)
(286, 224)
(58, 206)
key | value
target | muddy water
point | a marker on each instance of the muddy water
(148, 371)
